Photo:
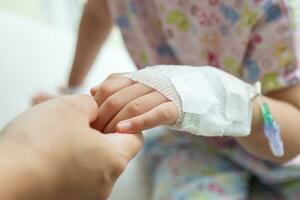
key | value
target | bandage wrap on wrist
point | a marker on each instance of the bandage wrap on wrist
(210, 102)
(155, 77)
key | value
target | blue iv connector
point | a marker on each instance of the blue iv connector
(272, 131)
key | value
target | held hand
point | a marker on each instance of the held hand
(52, 148)
(129, 107)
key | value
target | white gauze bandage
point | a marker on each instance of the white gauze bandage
(210, 102)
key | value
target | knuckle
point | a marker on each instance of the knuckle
(164, 114)
(141, 123)
(111, 76)
(134, 108)
(106, 89)
(144, 122)
(112, 103)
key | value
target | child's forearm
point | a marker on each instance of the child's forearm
(286, 112)
(95, 26)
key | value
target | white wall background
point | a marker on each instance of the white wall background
(63, 14)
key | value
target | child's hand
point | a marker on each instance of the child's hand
(129, 107)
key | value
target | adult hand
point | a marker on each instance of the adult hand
(130, 107)
(50, 152)
(40, 98)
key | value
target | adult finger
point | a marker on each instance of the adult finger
(40, 98)
(163, 114)
(136, 107)
(114, 104)
(84, 106)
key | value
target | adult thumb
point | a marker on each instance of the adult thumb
(129, 144)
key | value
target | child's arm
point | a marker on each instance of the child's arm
(285, 108)
(141, 107)
(96, 24)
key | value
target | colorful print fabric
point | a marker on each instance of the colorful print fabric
(186, 167)
(251, 39)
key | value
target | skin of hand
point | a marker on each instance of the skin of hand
(126, 106)
(40, 98)
(284, 106)
(51, 152)
(126, 101)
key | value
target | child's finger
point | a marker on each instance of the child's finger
(114, 104)
(137, 107)
(163, 114)
(94, 89)
(111, 86)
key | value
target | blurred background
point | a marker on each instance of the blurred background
(62, 14)
(37, 39)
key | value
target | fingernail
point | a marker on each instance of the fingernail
(125, 126)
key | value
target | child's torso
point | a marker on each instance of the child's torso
(218, 33)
